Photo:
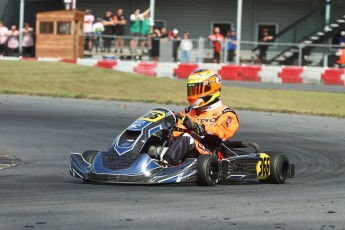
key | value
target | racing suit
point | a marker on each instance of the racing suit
(220, 123)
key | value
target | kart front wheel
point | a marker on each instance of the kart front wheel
(89, 155)
(279, 168)
(208, 170)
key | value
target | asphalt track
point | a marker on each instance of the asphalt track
(42, 195)
(301, 87)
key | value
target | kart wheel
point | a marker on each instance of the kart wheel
(279, 168)
(88, 155)
(208, 170)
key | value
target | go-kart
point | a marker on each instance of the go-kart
(135, 157)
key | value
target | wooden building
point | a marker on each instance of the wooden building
(60, 34)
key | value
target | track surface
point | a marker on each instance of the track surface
(42, 195)
(303, 87)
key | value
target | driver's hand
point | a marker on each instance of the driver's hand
(196, 127)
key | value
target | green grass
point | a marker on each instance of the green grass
(74, 81)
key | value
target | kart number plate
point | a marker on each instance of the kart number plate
(153, 116)
(263, 166)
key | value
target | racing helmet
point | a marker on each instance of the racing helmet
(203, 87)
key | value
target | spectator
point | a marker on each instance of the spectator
(217, 38)
(88, 22)
(231, 44)
(186, 46)
(136, 18)
(341, 54)
(13, 41)
(174, 36)
(342, 38)
(97, 30)
(108, 23)
(28, 40)
(145, 29)
(154, 52)
(164, 33)
(3, 38)
(265, 37)
(120, 22)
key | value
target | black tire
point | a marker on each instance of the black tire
(88, 155)
(208, 170)
(279, 168)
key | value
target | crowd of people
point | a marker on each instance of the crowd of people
(144, 36)
(9, 40)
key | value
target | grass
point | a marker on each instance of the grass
(74, 81)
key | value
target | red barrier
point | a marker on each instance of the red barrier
(250, 73)
(291, 75)
(230, 72)
(68, 60)
(107, 64)
(146, 68)
(333, 77)
(185, 69)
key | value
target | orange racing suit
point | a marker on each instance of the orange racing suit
(220, 122)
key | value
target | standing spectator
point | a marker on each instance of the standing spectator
(231, 43)
(120, 22)
(136, 18)
(265, 37)
(341, 60)
(145, 29)
(154, 52)
(217, 38)
(13, 41)
(97, 30)
(88, 22)
(186, 46)
(3, 38)
(342, 38)
(174, 36)
(108, 23)
(164, 33)
(28, 40)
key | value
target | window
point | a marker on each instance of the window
(46, 27)
(159, 24)
(272, 29)
(224, 27)
(64, 27)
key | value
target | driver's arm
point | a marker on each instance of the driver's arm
(225, 126)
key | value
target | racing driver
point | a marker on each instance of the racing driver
(206, 116)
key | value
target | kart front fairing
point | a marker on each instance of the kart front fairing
(127, 160)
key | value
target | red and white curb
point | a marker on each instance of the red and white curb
(256, 73)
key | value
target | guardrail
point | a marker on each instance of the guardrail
(201, 51)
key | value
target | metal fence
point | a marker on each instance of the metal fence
(201, 51)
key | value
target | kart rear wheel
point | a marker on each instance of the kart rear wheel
(208, 170)
(279, 168)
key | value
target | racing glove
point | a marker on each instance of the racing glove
(198, 128)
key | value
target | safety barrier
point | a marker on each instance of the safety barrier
(256, 73)
(107, 64)
(184, 69)
(333, 77)
(291, 74)
(146, 68)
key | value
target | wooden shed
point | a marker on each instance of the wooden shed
(60, 34)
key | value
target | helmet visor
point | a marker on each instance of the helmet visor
(197, 89)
